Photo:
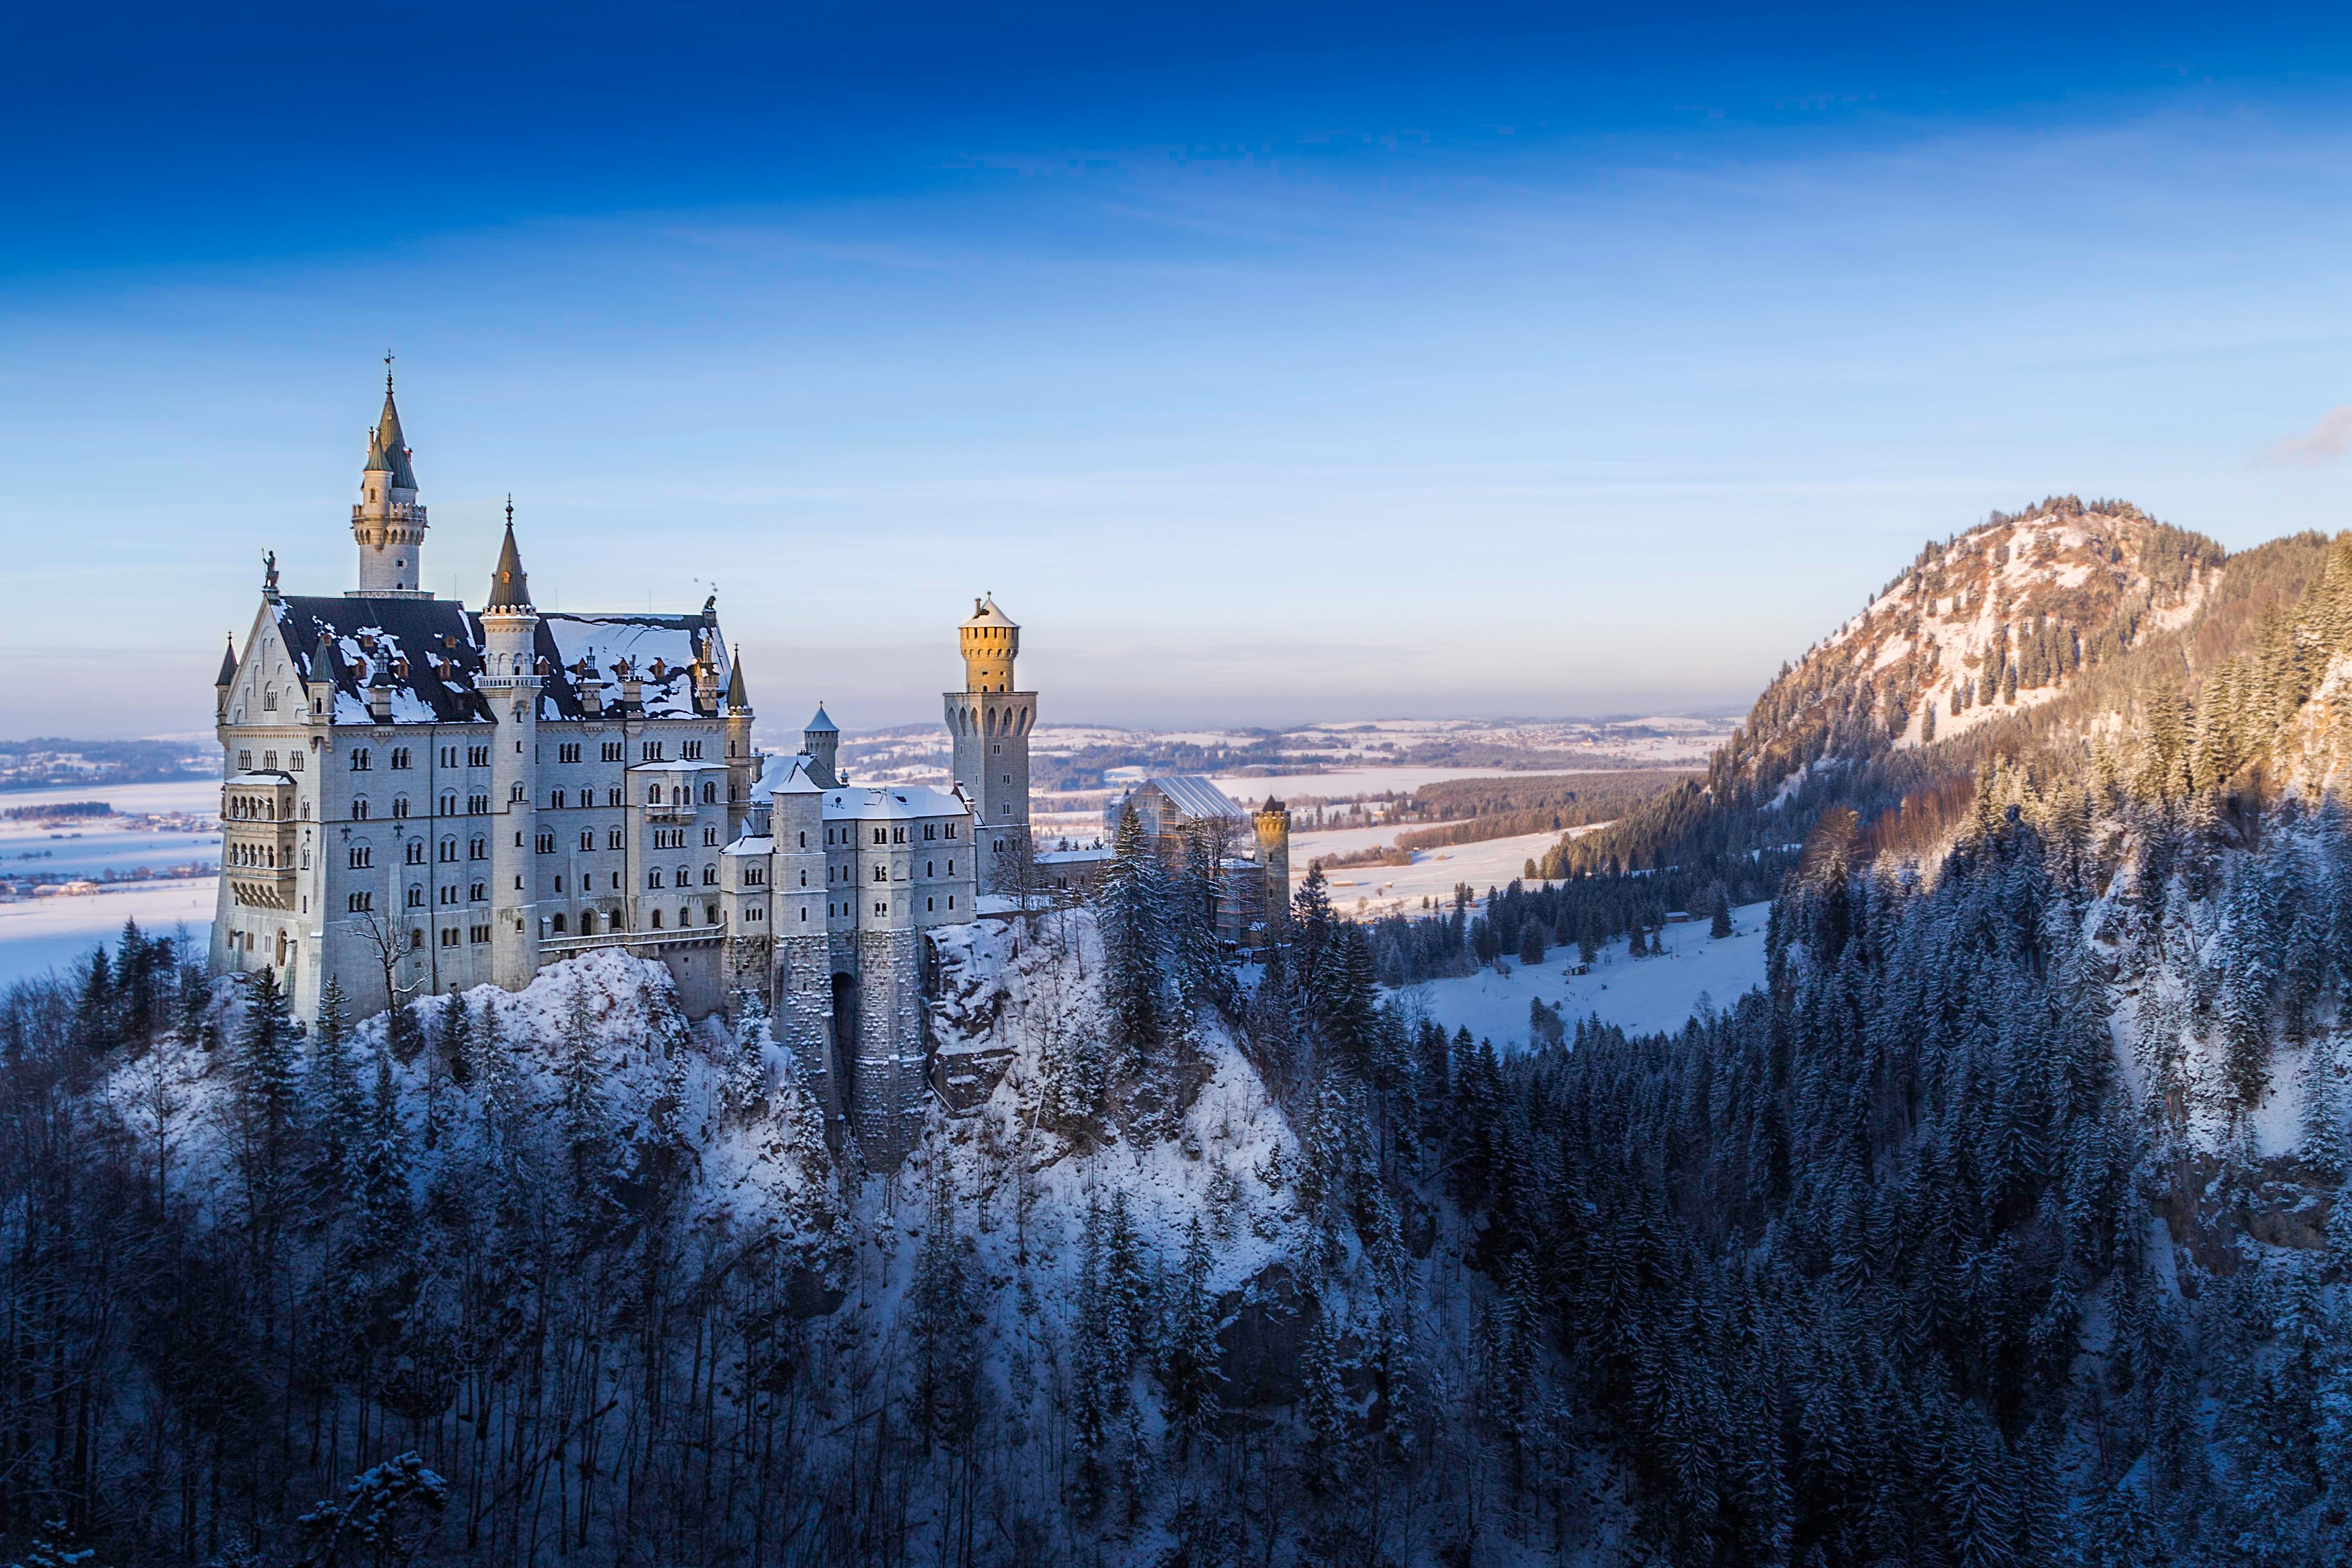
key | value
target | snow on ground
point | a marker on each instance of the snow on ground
(1399, 889)
(1643, 996)
(95, 848)
(1349, 783)
(40, 934)
(200, 797)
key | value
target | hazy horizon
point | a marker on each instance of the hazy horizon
(1333, 363)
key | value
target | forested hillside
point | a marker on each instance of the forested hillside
(2002, 1226)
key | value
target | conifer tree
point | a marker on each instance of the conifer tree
(1718, 925)
(380, 1166)
(334, 1106)
(744, 1088)
(1188, 1367)
(944, 1377)
(1133, 907)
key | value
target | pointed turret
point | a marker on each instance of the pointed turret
(821, 739)
(510, 589)
(227, 675)
(739, 700)
(324, 666)
(388, 522)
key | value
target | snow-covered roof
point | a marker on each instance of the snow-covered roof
(1076, 857)
(752, 844)
(431, 652)
(1193, 796)
(892, 803)
(682, 767)
(258, 777)
(792, 778)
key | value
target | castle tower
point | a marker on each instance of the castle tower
(1272, 821)
(990, 722)
(742, 760)
(388, 522)
(509, 683)
(821, 740)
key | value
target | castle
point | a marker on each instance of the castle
(418, 798)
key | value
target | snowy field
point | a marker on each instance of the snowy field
(40, 934)
(1640, 995)
(1399, 889)
(1354, 782)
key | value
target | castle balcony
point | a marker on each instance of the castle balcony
(671, 811)
(389, 512)
(261, 888)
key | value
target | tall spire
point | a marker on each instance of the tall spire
(738, 698)
(510, 589)
(227, 676)
(387, 448)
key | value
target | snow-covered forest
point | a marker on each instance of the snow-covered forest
(2002, 1226)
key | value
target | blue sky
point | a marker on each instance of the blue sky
(1270, 364)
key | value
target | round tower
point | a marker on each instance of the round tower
(989, 722)
(388, 522)
(992, 641)
(509, 684)
(821, 740)
(1272, 821)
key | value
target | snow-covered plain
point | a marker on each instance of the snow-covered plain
(38, 935)
(1643, 996)
(1399, 889)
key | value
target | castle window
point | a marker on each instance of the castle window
(754, 913)
(803, 840)
(400, 757)
(270, 699)
(651, 752)
(803, 878)
(709, 914)
(449, 937)
(317, 705)
(657, 925)
(710, 794)
(270, 760)
(709, 836)
(653, 795)
(416, 938)
(294, 762)
(478, 805)
(951, 868)
(449, 805)
(567, 754)
(930, 904)
(415, 897)
(448, 849)
(950, 901)
(360, 809)
(951, 830)
(400, 806)
(417, 852)
(477, 893)
(555, 799)
(881, 873)
(612, 839)
(559, 925)
(897, 836)
(449, 894)
(478, 933)
(653, 878)
(996, 748)
(515, 793)
(612, 753)
(245, 762)
(880, 836)
(543, 843)
(927, 868)
(804, 914)
(710, 876)
(613, 795)
(359, 903)
(880, 908)
(478, 756)
(930, 830)
(685, 877)
(588, 839)
(691, 750)
(477, 849)
(361, 761)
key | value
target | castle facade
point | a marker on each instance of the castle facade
(418, 798)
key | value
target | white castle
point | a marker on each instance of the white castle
(418, 799)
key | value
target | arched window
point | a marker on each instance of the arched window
(710, 876)
(559, 925)
(400, 806)
(448, 849)
(477, 849)
(555, 799)
(449, 804)
(709, 792)
(657, 925)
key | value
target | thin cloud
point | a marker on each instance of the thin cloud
(2323, 443)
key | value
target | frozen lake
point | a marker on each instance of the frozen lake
(40, 934)
(43, 933)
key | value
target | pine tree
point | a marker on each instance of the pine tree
(1133, 905)
(580, 1079)
(1718, 924)
(334, 1106)
(943, 1328)
(380, 1167)
(1531, 942)
(1200, 964)
(266, 1062)
(1188, 1367)
(2326, 1148)
(1323, 1408)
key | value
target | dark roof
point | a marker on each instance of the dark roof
(388, 448)
(228, 665)
(510, 589)
(431, 650)
(736, 696)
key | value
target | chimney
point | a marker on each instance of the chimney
(633, 691)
